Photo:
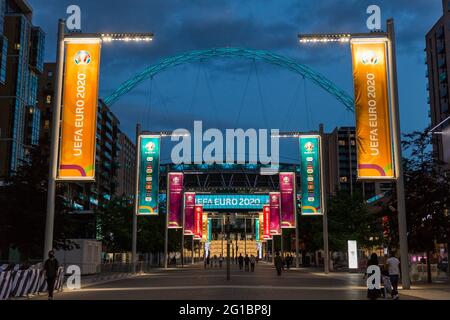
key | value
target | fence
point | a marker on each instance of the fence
(23, 283)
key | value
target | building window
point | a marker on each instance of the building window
(48, 99)
(342, 142)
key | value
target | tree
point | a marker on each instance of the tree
(349, 218)
(23, 200)
(427, 196)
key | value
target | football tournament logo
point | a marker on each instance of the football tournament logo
(369, 57)
(82, 58)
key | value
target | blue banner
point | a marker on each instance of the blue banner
(311, 175)
(148, 175)
(232, 201)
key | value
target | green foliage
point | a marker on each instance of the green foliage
(24, 201)
(348, 219)
(427, 196)
(114, 228)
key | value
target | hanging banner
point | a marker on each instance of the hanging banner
(205, 234)
(275, 218)
(209, 230)
(189, 213)
(198, 220)
(373, 134)
(257, 237)
(261, 226)
(148, 174)
(266, 217)
(311, 175)
(175, 200)
(288, 200)
(79, 110)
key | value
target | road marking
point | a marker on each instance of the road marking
(222, 287)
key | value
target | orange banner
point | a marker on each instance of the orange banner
(79, 120)
(373, 133)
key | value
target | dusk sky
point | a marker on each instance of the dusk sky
(240, 93)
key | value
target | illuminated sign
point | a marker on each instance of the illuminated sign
(175, 203)
(275, 214)
(311, 175)
(352, 255)
(288, 200)
(232, 201)
(198, 220)
(189, 213)
(79, 110)
(373, 130)
(148, 175)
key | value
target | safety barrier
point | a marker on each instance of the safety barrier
(24, 283)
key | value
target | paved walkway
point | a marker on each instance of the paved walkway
(197, 283)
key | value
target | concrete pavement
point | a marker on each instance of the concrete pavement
(196, 283)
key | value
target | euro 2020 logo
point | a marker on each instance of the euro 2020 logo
(82, 58)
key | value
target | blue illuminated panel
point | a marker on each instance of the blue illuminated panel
(232, 201)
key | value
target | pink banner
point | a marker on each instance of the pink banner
(189, 213)
(275, 225)
(266, 223)
(175, 201)
(198, 217)
(287, 189)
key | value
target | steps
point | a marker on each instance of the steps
(249, 248)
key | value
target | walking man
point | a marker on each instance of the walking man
(278, 263)
(241, 261)
(393, 266)
(220, 261)
(252, 263)
(247, 263)
(51, 267)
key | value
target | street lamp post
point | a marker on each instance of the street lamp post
(227, 229)
(54, 145)
(395, 116)
(136, 203)
(56, 121)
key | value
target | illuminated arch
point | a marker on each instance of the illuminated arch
(259, 55)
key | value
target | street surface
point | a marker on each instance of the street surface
(196, 283)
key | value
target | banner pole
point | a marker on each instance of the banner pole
(166, 229)
(227, 229)
(56, 124)
(192, 260)
(325, 215)
(136, 201)
(397, 141)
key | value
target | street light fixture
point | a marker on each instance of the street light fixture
(127, 37)
(395, 115)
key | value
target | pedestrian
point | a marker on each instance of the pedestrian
(288, 262)
(51, 267)
(208, 260)
(247, 263)
(278, 263)
(373, 294)
(241, 261)
(393, 266)
(252, 263)
(220, 261)
(215, 261)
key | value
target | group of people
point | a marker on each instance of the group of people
(390, 275)
(248, 262)
(214, 261)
